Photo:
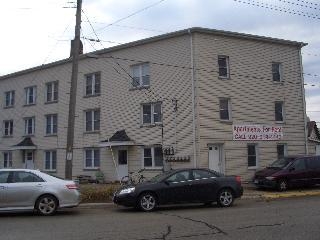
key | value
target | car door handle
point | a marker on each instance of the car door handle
(39, 185)
(2, 187)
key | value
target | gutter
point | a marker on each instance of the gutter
(193, 100)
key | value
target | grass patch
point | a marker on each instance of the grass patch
(92, 193)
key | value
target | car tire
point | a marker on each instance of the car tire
(46, 205)
(147, 202)
(225, 198)
(282, 185)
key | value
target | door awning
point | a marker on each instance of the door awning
(25, 144)
(120, 138)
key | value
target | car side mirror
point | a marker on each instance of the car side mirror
(166, 182)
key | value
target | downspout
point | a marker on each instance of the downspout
(304, 105)
(193, 101)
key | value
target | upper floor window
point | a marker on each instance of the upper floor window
(29, 126)
(50, 160)
(223, 62)
(252, 155)
(279, 111)
(30, 95)
(276, 72)
(51, 124)
(225, 112)
(93, 84)
(92, 120)
(152, 157)
(9, 98)
(151, 113)
(7, 159)
(7, 128)
(92, 158)
(140, 75)
(51, 92)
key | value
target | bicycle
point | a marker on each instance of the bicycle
(133, 178)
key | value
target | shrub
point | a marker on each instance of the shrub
(97, 192)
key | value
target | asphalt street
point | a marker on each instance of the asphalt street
(292, 218)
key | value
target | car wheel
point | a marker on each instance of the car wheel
(147, 202)
(46, 205)
(282, 185)
(225, 198)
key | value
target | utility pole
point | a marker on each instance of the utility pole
(73, 93)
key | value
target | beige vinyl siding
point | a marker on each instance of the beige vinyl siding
(252, 94)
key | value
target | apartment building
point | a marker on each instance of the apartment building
(198, 97)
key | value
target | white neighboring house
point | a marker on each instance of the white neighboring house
(313, 138)
(229, 101)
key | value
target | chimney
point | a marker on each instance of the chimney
(80, 48)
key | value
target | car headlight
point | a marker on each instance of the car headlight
(127, 190)
(270, 178)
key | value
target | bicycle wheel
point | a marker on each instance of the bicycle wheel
(125, 180)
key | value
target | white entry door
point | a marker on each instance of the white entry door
(215, 157)
(122, 163)
(317, 149)
(28, 159)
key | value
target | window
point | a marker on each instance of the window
(50, 160)
(225, 113)
(4, 176)
(314, 162)
(92, 120)
(20, 176)
(30, 95)
(202, 174)
(140, 75)
(276, 72)
(7, 159)
(281, 150)
(93, 84)
(223, 62)
(9, 99)
(51, 92)
(51, 124)
(179, 177)
(92, 158)
(299, 165)
(279, 111)
(252, 156)
(122, 157)
(29, 126)
(151, 113)
(7, 128)
(152, 157)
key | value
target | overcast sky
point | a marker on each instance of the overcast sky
(35, 32)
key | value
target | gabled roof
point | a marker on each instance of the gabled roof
(120, 138)
(25, 144)
(312, 128)
(159, 38)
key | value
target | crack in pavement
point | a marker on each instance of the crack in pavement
(197, 221)
(163, 237)
(261, 225)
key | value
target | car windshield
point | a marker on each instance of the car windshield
(161, 176)
(280, 163)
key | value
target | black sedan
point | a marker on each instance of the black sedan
(181, 186)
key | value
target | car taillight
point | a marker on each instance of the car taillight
(72, 186)
(238, 179)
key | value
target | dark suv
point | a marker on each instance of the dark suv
(292, 171)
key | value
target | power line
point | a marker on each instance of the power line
(277, 8)
(130, 15)
(298, 4)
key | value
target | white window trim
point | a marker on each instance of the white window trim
(92, 120)
(257, 156)
(51, 160)
(280, 72)
(229, 110)
(92, 159)
(26, 127)
(11, 98)
(152, 114)
(228, 67)
(285, 148)
(51, 125)
(54, 86)
(10, 126)
(9, 161)
(282, 111)
(140, 75)
(27, 92)
(152, 156)
(93, 84)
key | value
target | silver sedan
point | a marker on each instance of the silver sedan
(24, 189)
